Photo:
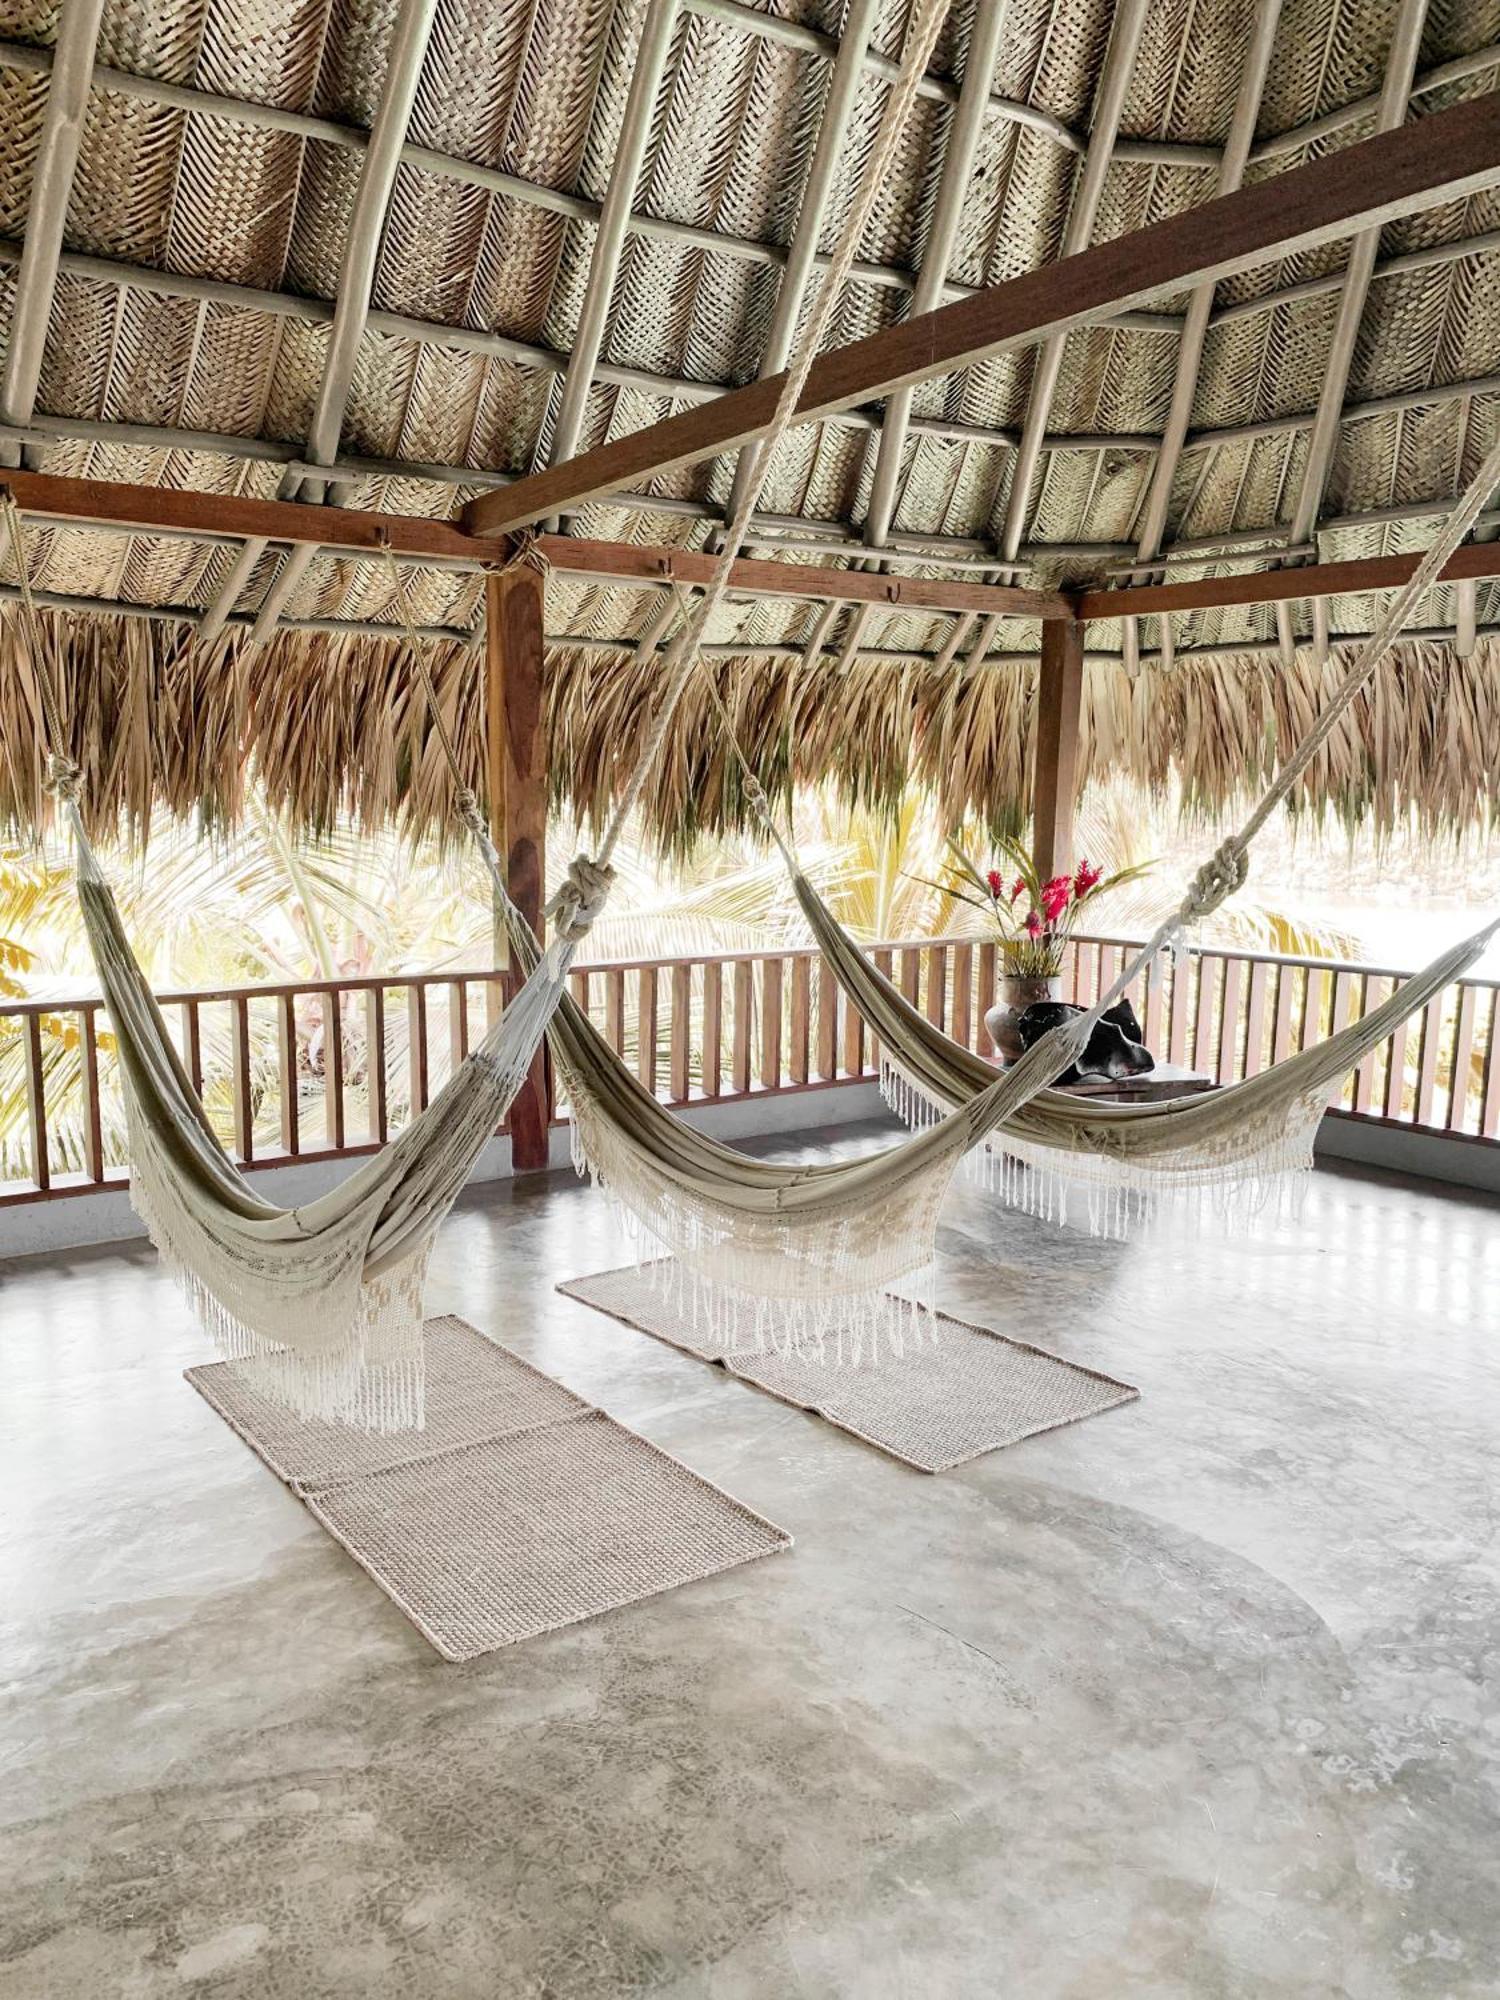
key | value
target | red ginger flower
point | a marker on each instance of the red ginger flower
(1033, 923)
(996, 882)
(1016, 887)
(1055, 897)
(1086, 879)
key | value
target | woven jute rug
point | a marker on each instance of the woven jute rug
(934, 1405)
(519, 1508)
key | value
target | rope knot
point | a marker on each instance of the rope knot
(581, 899)
(1221, 875)
(528, 554)
(64, 778)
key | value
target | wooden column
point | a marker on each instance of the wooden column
(1059, 715)
(513, 603)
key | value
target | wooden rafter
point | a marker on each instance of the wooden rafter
(416, 538)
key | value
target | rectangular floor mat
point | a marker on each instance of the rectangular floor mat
(520, 1508)
(937, 1405)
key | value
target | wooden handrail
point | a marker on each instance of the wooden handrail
(335, 1080)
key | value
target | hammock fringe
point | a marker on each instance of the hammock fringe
(842, 1311)
(1247, 1174)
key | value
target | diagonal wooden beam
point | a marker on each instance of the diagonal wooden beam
(416, 538)
(1444, 158)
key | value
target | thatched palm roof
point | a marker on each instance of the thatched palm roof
(195, 321)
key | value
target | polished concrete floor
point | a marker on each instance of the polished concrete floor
(1198, 1698)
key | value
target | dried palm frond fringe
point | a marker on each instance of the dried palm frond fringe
(336, 730)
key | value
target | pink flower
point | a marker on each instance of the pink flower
(1055, 897)
(1086, 879)
(1033, 924)
(1016, 887)
(996, 882)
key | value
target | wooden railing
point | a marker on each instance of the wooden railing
(328, 1069)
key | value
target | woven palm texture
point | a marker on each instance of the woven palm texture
(190, 341)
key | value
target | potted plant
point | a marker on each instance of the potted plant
(1034, 919)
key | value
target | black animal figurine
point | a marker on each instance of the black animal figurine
(1116, 1048)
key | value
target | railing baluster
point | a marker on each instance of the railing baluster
(458, 1024)
(884, 964)
(1286, 1005)
(1463, 1059)
(713, 1028)
(828, 1023)
(239, 1042)
(962, 1029)
(911, 972)
(1429, 1049)
(416, 1045)
(1395, 1075)
(614, 1011)
(744, 1010)
(1343, 1001)
(93, 1118)
(801, 1021)
(645, 1045)
(1227, 1069)
(988, 990)
(286, 1072)
(333, 1070)
(1364, 1076)
(578, 986)
(1489, 1116)
(853, 1037)
(770, 1024)
(192, 1044)
(375, 1090)
(1255, 1018)
(681, 1032)
(36, 1103)
(1177, 1027)
(1157, 973)
(937, 983)
(1210, 965)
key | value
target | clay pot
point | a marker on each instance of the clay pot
(1017, 993)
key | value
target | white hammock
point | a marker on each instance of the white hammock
(1227, 1149)
(322, 1303)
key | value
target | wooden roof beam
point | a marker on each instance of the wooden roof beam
(1444, 158)
(418, 539)
(1281, 586)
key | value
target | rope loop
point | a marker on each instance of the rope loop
(528, 554)
(64, 778)
(1225, 871)
(580, 901)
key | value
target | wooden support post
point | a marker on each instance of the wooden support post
(1059, 714)
(518, 798)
